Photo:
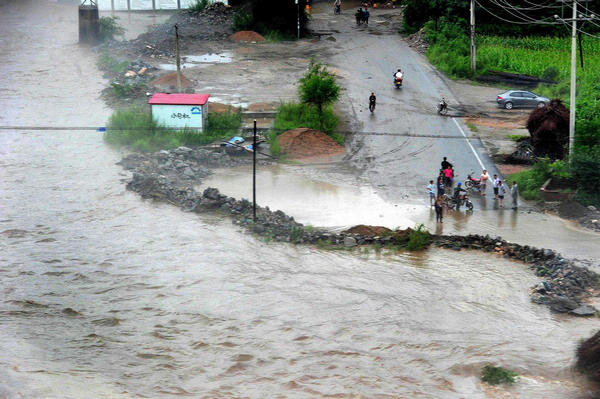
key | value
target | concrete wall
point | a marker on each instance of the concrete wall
(146, 5)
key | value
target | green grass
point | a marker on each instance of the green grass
(198, 6)
(516, 137)
(472, 127)
(418, 239)
(108, 64)
(497, 375)
(530, 181)
(135, 128)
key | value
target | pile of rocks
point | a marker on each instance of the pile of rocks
(171, 175)
(565, 284)
(418, 41)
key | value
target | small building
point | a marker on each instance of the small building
(180, 110)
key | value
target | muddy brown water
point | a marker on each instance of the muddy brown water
(105, 295)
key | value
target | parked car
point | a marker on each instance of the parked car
(521, 98)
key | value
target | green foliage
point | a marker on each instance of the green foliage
(319, 88)
(530, 181)
(242, 20)
(585, 167)
(293, 115)
(516, 137)
(472, 127)
(497, 375)
(418, 239)
(126, 89)
(136, 129)
(449, 48)
(274, 143)
(198, 6)
(109, 28)
(296, 234)
(550, 73)
(275, 36)
(108, 64)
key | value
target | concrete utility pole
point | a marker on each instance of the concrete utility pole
(473, 49)
(573, 80)
(298, 7)
(178, 60)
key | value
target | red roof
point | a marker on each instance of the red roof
(179, 99)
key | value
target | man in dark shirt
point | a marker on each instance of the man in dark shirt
(446, 164)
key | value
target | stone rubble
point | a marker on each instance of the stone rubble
(170, 176)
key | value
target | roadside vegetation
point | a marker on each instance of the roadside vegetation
(318, 91)
(546, 57)
(109, 28)
(134, 128)
(497, 375)
(198, 6)
(530, 181)
(276, 20)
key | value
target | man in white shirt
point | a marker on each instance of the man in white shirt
(483, 182)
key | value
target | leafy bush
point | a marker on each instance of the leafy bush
(108, 64)
(585, 166)
(531, 180)
(109, 28)
(294, 115)
(242, 21)
(497, 375)
(418, 239)
(319, 88)
(449, 48)
(136, 129)
(550, 73)
(198, 6)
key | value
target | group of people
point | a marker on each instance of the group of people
(445, 180)
(362, 15)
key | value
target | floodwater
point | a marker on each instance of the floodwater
(200, 61)
(105, 295)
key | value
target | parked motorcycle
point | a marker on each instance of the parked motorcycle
(442, 108)
(472, 183)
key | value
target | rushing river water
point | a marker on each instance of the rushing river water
(105, 295)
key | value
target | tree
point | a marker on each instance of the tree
(318, 88)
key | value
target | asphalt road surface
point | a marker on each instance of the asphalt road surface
(388, 147)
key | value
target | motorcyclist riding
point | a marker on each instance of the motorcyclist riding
(372, 101)
(398, 76)
(456, 196)
(442, 106)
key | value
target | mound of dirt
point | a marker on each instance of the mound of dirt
(247, 36)
(365, 230)
(572, 210)
(303, 143)
(170, 79)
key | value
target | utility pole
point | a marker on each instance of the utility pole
(178, 60)
(298, 7)
(473, 49)
(254, 174)
(573, 94)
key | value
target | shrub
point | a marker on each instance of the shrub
(136, 129)
(318, 88)
(242, 21)
(497, 375)
(109, 28)
(585, 167)
(198, 6)
(108, 64)
(530, 181)
(550, 73)
(418, 239)
(293, 115)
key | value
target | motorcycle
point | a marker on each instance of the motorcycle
(398, 80)
(452, 203)
(337, 9)
(472, 183)
(442, 108)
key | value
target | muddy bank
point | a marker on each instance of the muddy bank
(170, 176)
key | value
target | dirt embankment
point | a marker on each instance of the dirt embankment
(307, 143)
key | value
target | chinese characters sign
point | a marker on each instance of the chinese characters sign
(178, 116)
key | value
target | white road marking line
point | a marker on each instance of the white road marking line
(469, 143)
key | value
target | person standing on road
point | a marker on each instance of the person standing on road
(366, 16)
(359, 16)
(495, 185)
(372, 102)
(431, 191)
(337, 6)
(483, 182)
(501, 193)
(440, 185)
(446, 164)
(439, 210)
(514, 193)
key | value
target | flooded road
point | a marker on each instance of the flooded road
(105, 295)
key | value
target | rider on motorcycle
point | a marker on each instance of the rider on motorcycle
(398, 75)
(372, 101)
(456, 196)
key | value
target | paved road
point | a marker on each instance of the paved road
(398, 164)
